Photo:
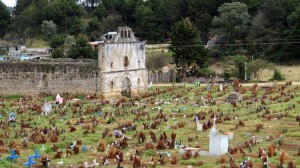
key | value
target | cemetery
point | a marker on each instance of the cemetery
(212, 125)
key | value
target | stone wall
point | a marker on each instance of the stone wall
(51, 76)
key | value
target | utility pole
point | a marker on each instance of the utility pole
(174, 72)
(245, 71)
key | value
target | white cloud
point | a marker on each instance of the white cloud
(10, 3)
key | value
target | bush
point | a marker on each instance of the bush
(57, 41)
(277, 76)
(58, 53)
(239, 62)
(227, 74)
(3, 51)
(206, 72)
(81, 49)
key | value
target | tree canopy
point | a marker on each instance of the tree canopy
(81, 49)
(4, 19)
(186, 45)
(233, 20)
(267, 29)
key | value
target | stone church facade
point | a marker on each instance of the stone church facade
(122, 65)
(119, 71)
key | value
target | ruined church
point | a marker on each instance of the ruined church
(122, 64)
(119, 71)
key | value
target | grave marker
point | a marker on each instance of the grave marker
(218, 144)
(12, 157)
(199, 126)
(30, 162)
(36, 154)
(84, 148)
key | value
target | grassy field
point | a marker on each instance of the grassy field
(291, 73)
(175, 103)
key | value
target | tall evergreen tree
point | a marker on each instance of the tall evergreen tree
(186, 45)
(4, 19)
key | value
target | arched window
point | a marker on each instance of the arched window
(44, 82)
(111, 84)
(126, 61)
(111, 65)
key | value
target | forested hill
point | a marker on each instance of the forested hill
(268, 28)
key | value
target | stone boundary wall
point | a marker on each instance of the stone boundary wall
(32, 77)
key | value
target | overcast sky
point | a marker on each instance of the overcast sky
(10, 3)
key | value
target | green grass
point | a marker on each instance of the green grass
(249, 116)
(11, 97)
(150, 152)
(293, 134)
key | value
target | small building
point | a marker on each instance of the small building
(13, 49)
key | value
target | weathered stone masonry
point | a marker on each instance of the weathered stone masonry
(122, 65)
(119, 71)
(50, 76)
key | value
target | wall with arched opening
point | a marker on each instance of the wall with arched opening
(50, 76)
(44, 82)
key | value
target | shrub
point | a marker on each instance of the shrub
(3, 51)
(227, 74)
(277, 76)
(239, 62)
(58, 53)
(206, 72)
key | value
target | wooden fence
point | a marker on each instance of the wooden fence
(171, 76)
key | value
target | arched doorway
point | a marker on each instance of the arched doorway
(44, 82)
(126, 87)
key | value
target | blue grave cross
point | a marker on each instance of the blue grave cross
(36, 154)
(30, 162)
(208, 87)
(13, 156)
(84, 148)
(196, 118)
